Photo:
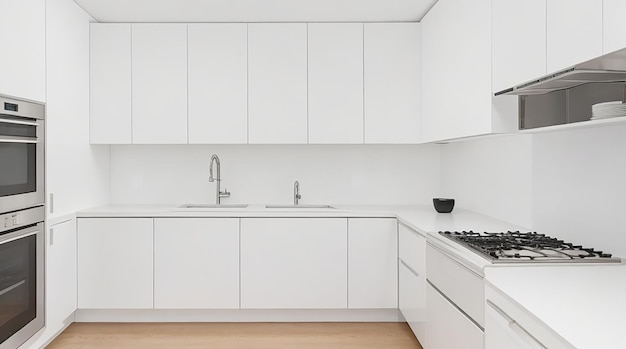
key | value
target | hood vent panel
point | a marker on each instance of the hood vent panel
(609, 68)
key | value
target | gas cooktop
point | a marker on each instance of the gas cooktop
(514, 246)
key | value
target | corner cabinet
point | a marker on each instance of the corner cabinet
(115, 263)
(412, 279)
(457, 94)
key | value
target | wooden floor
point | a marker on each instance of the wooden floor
(237, 335)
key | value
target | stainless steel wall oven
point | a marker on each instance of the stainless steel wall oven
(21, 275)
(22, 213)
(21, 154)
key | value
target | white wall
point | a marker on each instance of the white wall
(580, 186)
(569, 184)
(491, 176)
(359, 174)
(77, 173)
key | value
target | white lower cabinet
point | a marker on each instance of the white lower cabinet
(372, 263)
(115, 263)
(196, 263)
(412, 279)
(412, 300)
(448, 327)
(61, 272)
(294, 263)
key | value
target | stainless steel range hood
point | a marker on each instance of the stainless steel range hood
(608, 68)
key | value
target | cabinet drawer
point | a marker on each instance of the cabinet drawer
(412, 249)
(447, 274)
(412, 301)
(447, 327)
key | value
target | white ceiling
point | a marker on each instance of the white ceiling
(256, 10)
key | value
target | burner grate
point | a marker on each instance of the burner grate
(530, 246)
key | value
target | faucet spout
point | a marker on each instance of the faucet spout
(218, 179)
(296, 193)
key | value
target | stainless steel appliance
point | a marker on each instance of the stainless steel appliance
(21, 275)
(21, 154)
(515, 246)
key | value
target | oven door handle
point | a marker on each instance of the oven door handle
(20, 234)
(26, 140)
(19, 122)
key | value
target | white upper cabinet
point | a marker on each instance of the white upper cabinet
(519, 42)
(110, 83)
(392, 82)
(159, 83)
(457, 97)
(335, 68)
(574, 32)
(23, 59)
(614, 35)
(277, 83)
(218, 83)
(372, 263)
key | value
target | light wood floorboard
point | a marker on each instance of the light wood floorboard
(236, 335)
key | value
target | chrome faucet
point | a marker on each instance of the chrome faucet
(296, 193)
(218, 193)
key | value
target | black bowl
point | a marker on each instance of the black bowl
(443, 205)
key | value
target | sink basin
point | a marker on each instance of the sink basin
(302, 206)
(213, 206)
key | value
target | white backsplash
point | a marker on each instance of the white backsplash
(350, 174)
(491, 176)
(570, 184)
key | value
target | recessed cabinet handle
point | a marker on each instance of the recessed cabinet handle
(51, 241)
(517, 328)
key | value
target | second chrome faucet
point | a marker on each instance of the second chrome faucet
(218, 179)
(296, 193)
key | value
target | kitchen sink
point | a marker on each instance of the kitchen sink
(301, 206)
(213, 206)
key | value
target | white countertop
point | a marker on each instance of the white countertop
(421, 218)
(586, 305)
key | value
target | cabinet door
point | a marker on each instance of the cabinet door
(61, 273)
(218, 83)
(372, 263)
(196, 263)
(412, 249)
(456, 66)
(392, 82)
(574, 32)
(110, 83)
(159, 83)
(335, 82)
(447, 327)
(294, 263)
(277, 83)
(518, 42)
(412, 300)
(23, 38)
(614, 35)
(504, 332)
(115, 263)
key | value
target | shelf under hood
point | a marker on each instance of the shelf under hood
(608, 68)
